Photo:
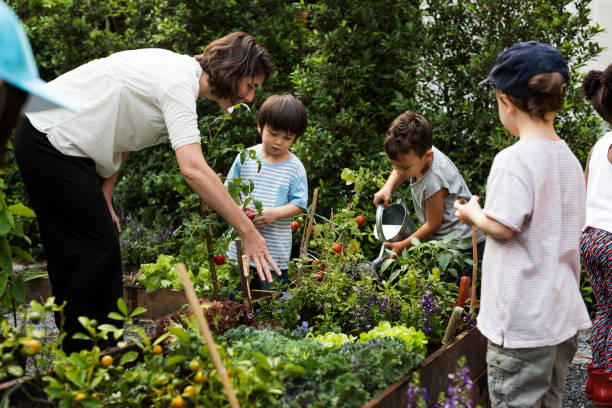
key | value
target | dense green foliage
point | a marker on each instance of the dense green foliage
(354, 68)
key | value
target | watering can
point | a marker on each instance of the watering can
(393, 223)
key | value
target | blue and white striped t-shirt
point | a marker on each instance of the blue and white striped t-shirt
(275, 185)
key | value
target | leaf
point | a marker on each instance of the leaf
(15, 370)
(92, 403)
(22, 254)
(386, 264)
(5, 226)
(415, 241)
(122, 306)
(393, 276)
(18, 289)
(138, 311)
(3, 280)
(6, 257)
(295, 370)
(75, 378)
(80, 336)
(115, 316)
(179, 333)
(175, 360)
(443, 260)
(128, 357)
(21, 210)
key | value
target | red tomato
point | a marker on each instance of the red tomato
(360, 220)
(315, 262)
(219, 259)
(295, 225)
(320, 276)
(337, 248)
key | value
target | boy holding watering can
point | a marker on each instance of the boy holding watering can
(435, 183)
(531, 307)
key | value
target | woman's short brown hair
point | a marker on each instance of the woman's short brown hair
(229, 59)
(552, 87)
(283, 112)
(408, 132)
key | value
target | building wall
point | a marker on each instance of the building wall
(601, 13)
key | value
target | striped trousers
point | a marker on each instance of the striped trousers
(596, 252)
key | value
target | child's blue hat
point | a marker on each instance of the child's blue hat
(515, 66)
(18, 67)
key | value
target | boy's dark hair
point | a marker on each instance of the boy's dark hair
(597, 88)
(283, 112)
(408, 132)
(551, 87)
(229, 59)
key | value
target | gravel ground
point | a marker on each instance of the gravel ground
(577, 375)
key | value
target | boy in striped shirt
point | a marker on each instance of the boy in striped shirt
(280, 184)
(531, 307)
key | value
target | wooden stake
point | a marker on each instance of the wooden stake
(310, 218)
(210, 248)
(245, 282)
(474, 267)
(205, 330)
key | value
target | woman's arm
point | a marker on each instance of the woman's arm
(108, 187)
(209, 187)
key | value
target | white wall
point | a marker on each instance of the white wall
(601, 13)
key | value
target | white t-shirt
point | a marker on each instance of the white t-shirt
(531, 282)
(129, 100)
(599, 189)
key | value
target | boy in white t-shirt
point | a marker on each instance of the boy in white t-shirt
(281, 183)
(531, 307)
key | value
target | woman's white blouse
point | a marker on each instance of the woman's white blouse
(129, 100)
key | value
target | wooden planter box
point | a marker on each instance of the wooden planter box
(158, 303)
(434, 372)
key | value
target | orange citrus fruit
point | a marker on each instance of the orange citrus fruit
(106, 361)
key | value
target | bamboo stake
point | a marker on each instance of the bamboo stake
(245, 282)
(474, 267)
(313, 207)
(210, 248)
(205, 330)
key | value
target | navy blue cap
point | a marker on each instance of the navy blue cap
(515, 66)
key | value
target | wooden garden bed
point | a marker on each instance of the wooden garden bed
(434, 372)
(158, 303)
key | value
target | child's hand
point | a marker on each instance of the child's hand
(266, 216)
(396, 247)
(467, 212)
(383, 195)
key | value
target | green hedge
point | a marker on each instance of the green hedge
(355, 68)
